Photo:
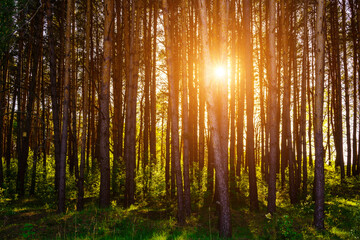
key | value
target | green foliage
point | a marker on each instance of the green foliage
(286, 228)
(154, 215)
(28, 231)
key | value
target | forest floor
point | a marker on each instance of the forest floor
(30, 218)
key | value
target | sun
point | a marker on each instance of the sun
(220, 72)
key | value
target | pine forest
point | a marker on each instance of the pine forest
(179, 119)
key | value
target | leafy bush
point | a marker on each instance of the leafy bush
(28, 231)
(286, 229)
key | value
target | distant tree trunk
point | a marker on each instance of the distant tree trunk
(147, 79)
(80, 200)
(193, 97)
(104, 103)
(37, 30)
(355, 71)
(217, 117)
(286, 121)
(319, 182)
(9, 143)
(74, 159)
(261, 80)
(167, 154)
(249, 78)
(240, 120)
(173, 88)
(118, 98)
(305, 76)
(232, 97)
(358, 48)
(131, 100)
(348, 138)
(336, 81)
(185, 113)
(2, 111)
(153, 90)
(54, 89)
(272, 107)
(65, 120)
(45, 124)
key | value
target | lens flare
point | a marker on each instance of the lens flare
(220, 71)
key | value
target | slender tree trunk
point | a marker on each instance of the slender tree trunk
(104, 103)
(185, 113)
(131, 99)
(65, 120)
(355, 70)
(272, 107)
(118, 99)
(232, 96)
(305, 76)
(173, 87)
(249, 78)
(37, 30)
(319, 182)
(80, 200)
(286, 121)
(218, 132)
(348, 138)
(337, 87)
(153, 90)
(167, 155)
(54, 90)
(147, 77)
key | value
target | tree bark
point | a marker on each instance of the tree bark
(131, 61)
(319, 182)
(249, 78)
(217, 131)
(65, 120)
(80, 200)
(185, 113)
(173, 88)
(272, 101)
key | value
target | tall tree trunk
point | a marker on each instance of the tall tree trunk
(348, 138)
(173, 88)
(215, 119)
(104, 121)
(232, 96)
(80, 200)
(319, 182)
(249, 78)
(147, 77)
(131, 99)
(185, 112)
(336, 80)
(153, 90)
(355, 70)
(37, 30)
(2, 111)
(305, 76)
(167, 154)
(118, 98)
(54, 90)
(65, 120)
(272, 107)
(287, 143)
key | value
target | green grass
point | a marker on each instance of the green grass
(31, 218)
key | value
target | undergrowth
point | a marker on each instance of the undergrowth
(154, 217)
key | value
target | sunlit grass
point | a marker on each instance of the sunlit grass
(155, 218)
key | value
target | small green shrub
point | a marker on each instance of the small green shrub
(286, 229)
(28, 231)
